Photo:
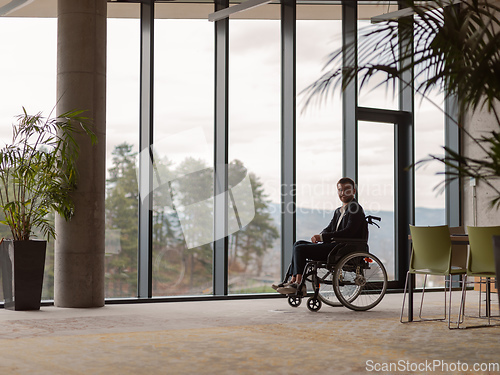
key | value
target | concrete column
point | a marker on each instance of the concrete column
(81, 84)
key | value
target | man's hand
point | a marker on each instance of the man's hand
(316, 238)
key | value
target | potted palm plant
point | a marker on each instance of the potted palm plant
(37, 175)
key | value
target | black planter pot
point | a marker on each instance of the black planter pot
(22, 264)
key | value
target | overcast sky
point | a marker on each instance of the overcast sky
(184, 101)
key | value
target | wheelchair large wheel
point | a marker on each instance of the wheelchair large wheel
(326, 293)
(360, 281)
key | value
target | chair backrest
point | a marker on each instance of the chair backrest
(481, 259)
(431, 249)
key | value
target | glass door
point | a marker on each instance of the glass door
(376, 187)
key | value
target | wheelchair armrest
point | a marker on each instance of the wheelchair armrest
(349, 240)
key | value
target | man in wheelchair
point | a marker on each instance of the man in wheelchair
(348, 222)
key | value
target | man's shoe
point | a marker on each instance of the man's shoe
(292, 289)
(280, 285)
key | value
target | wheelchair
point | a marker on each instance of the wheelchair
(350, 277)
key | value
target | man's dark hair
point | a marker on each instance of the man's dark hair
(347, 180)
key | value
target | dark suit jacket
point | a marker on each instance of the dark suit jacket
(353, 224)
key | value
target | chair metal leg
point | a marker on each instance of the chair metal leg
(487, 282)
(480, 290)
(461, 312)
(446, 278)
(422, 299)
(446, 313)
(422, 302)
(404, 299)
(450, 283)
(488, 299)
(462, 308)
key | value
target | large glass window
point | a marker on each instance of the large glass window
(376, 187)
(254, 153)
(319, 129)
(28, 79)
(429, 178)
(429, 139)
(28, 67)
(375, 93)
(122, 139)
(429, 188)
(183, 157)
(183, 153)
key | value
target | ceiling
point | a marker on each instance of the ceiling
(198, 9)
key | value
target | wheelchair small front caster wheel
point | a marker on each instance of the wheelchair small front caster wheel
(313, 304)
(294, 301)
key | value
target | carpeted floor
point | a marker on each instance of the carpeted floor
(240, 337)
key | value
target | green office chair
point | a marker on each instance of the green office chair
(431, 255)
(480, 263)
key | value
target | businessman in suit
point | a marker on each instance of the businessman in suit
(348, 222)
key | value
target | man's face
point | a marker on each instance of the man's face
(346, 192)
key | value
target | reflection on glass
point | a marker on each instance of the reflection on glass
(182, 155)
(376, 187)
(319, 130)
(254, 154)
(122, 130)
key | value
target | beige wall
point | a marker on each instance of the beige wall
(477, 200)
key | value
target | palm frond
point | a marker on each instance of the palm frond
(455, 49)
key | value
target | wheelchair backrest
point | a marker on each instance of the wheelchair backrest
(349, 245)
